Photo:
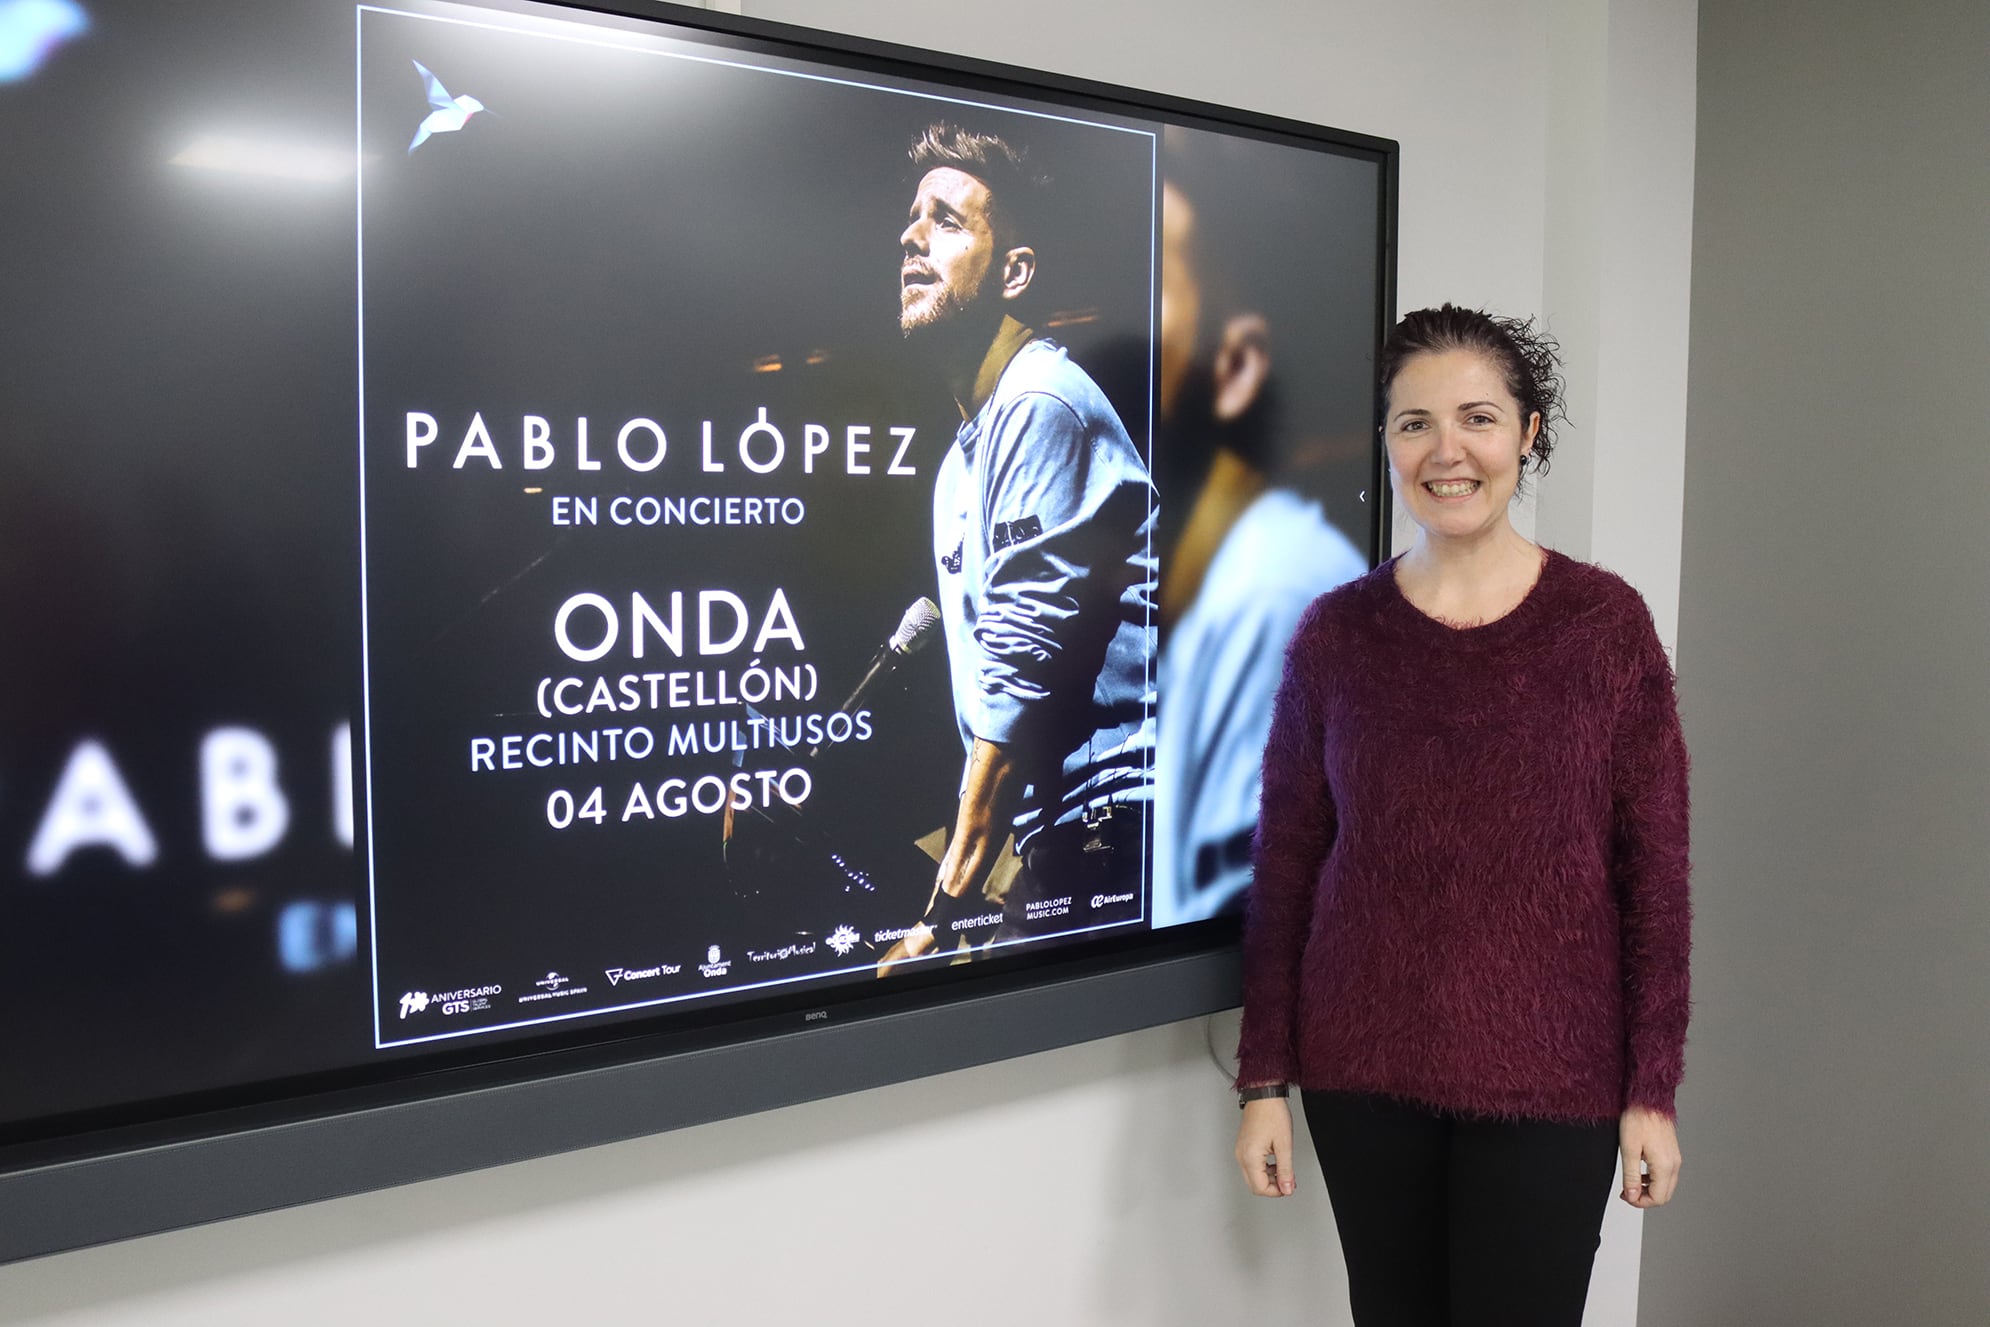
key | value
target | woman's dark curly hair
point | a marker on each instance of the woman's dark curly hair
(1528, 360)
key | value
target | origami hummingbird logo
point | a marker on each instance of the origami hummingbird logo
(446, 114)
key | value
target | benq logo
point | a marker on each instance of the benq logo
(413, 1002)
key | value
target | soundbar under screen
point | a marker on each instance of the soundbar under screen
(527, 525)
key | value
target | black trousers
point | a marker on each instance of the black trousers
(1456, 1222)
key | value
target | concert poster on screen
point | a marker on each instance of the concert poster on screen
(657, 699)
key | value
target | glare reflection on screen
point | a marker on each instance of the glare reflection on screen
(30, 30)
(276, 159)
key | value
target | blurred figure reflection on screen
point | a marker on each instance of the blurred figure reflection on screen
(1248, 550)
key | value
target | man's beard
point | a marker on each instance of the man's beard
(934, 314)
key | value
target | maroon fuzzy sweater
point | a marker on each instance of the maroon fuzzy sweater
(1471, 856)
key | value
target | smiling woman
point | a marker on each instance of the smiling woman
(1470, 404)
(1526, 362)
(1468, 935)
(1457, 443)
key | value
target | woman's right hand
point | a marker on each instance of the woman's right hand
(1264, 1147)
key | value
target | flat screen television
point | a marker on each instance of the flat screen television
(577, 570)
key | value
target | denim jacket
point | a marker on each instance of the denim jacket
(1043, 520)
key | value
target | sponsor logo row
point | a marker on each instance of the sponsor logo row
(557, 986)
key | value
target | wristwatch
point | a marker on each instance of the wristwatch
(1245, 1096)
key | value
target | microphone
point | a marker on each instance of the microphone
(780, 840)
(915, 629)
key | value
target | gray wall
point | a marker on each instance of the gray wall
(1834, 655)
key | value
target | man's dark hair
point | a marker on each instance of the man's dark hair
(1015, 186)
(1243, 195)
(1529, 360)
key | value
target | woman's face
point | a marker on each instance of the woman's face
(1455, 439)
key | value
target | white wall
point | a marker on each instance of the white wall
(1090, 1185)
(1619, 241)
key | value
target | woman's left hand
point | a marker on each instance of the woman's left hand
(1647, 1136)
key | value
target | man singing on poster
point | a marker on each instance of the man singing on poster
(1043, 517)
